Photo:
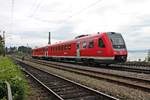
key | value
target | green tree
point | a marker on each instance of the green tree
(1, 48)
(25, 50)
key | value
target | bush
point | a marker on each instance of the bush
(11, 73)
(3, 90)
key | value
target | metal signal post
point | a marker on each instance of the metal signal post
(49, 38)
(3, 41)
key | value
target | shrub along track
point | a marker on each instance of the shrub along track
(64, 89)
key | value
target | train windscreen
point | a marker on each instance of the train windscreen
(117, 40)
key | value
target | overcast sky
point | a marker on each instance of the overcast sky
(29, 21)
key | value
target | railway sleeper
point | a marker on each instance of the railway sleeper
(64, 89)
(89, 97)
(56, 87)
(70, 91)
(60, 86)
(76, 95)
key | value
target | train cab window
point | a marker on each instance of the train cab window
(101, 43)
(84, 44)
(91, 44)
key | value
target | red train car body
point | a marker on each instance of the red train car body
(105, 47)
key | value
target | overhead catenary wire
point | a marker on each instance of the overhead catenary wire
(71, 16)
(85, 8)
(36, 7)
(80, 11)
(12, 15)
(33, 7)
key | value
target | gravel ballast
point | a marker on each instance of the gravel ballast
(116, 90)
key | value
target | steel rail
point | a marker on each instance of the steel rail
(78, 71)
(120, 67)
(57, 96)
(107, 97)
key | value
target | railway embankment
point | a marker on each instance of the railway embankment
(12, 74)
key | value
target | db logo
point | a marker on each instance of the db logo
(99, 52)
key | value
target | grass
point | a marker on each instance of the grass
(11, 73)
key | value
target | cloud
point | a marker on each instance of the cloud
(33, 19)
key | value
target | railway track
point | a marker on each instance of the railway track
(64, 89)
(132, 82)
(129, 68)
(136, 64)
(38, 91)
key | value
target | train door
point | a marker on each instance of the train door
(46, 51)
(78, 49)
(102, 48)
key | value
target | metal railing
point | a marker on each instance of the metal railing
(9, 94)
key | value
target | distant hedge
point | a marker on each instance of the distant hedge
(11, 73)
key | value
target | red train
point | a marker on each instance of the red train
(104, 48)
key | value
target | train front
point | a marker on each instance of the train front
(119, 47)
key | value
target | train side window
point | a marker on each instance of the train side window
(58, 48)
(55, 48)
(62, 47)
(65, 47)
(84, 44)
(91, 44)
(69, 46)
(101, 43)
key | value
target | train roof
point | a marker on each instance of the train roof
(80, 37)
